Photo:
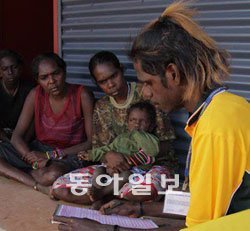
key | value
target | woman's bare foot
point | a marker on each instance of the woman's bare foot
(43, 189)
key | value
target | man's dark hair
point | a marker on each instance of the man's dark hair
(175, 38)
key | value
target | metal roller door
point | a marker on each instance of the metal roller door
(86, 27)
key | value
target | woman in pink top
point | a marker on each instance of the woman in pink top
(60, 116)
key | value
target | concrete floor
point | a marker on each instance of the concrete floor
(23, 209)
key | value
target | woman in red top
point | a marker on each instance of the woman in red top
(60, 115)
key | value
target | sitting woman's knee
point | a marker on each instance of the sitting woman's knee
(50, 176)
(60, 193)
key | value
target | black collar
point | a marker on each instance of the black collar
(193, 117)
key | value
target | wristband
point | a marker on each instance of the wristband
(48, 156)
(55, 154)
(35, 165)
(60, 153)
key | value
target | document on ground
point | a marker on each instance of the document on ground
(122, 221)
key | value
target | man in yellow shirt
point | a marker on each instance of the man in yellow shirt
(220, 159)
(179, 65)
(183, 67)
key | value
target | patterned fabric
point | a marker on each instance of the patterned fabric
(110, 120)
(154, 186)
(84, 182)
(65, 181)
(140, 158)
(128, 143)
(11, 156)
(64, 129)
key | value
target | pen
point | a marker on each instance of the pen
(57, 222)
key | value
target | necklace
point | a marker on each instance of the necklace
(9, 92)
(128, 99)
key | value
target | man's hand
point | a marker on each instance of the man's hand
(76, 224)
(116, 162)
(123, 208)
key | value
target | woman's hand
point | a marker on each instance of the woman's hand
(116, 161)
(33, 156)
(83, 155)
(42, 163)
(123, 208)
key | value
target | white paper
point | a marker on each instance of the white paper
(122, 221)
(176, 202)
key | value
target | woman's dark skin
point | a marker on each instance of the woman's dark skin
(52, 79)
(113, 83)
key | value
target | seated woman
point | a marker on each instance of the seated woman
(13, 91)
(60, 114)
(219, 123)
(110, 120)
(138, 146)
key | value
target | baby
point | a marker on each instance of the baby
(138, 147)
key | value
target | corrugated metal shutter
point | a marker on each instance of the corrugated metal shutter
(90, 26)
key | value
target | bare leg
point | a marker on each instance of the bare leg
(155, 186)
(66, 195)
(11, 172)
(139, 198)
(98, 192)
(44, 189)
(47, 175)
(99, 171)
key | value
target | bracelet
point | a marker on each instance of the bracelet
(132, 161)
(47, 154)
(128, 160)
(35, 165)
(55, 154)
(141, 209)
(60, 153)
